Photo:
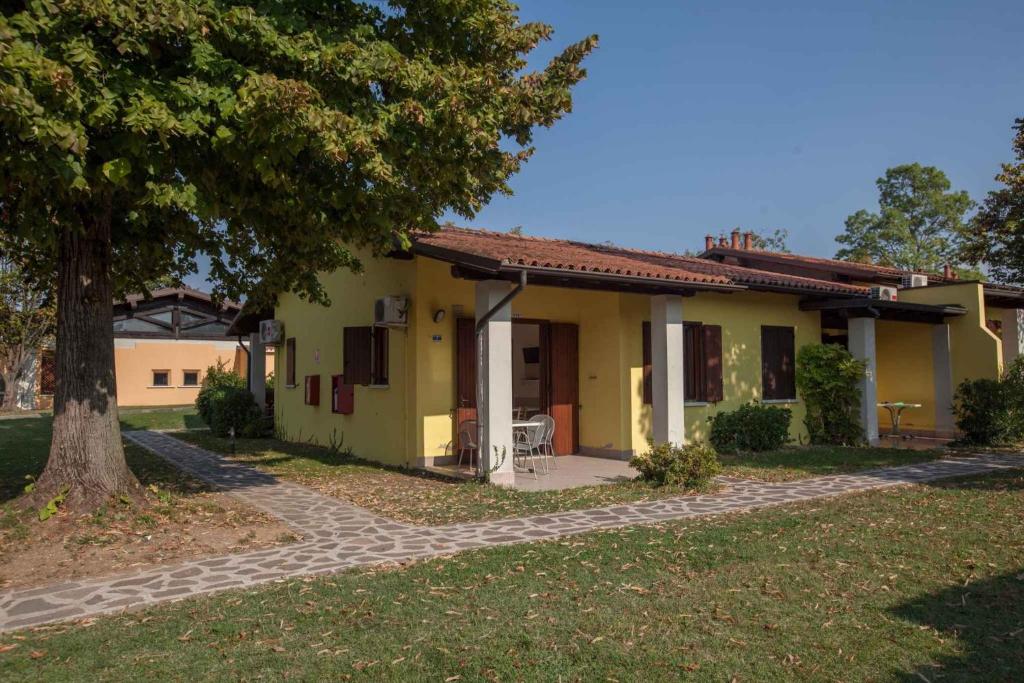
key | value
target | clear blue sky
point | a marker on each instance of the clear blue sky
(700, 117)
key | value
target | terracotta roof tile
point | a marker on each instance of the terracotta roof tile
(510, 249)
(868, 269)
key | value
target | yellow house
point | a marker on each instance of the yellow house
(617, 345)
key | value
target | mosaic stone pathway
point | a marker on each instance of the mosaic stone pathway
(339, 536)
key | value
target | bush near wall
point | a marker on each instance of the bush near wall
(692, 465)
(827, 377)
(990, 412)
(752, 427)
(224, 403)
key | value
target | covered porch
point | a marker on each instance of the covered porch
(907, 347)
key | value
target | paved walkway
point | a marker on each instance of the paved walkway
(340, 536)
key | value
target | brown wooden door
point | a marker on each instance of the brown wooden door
(465, 375)
(564, 384)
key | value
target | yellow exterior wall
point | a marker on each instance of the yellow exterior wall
(596, 313)
(136, 359)
(905, 372)
(977, 353)
(410, 421)
(741, 316)
(377, 429)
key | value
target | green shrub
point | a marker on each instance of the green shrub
(232, 407)
(990, 412)
(692, 465)
(224, 403)
(827, 377)
(752, 427)
(216, 378)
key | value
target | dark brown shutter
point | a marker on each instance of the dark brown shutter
(693, 362)
(712, 363)
(564, 386)
(648, 386)
(465, 372)
(358, 355)
(778, 367)
(380, 356)
(289, 359)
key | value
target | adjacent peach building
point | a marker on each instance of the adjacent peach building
(163, 346)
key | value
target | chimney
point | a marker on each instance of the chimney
(748, 240)
(947, 272)
(723, 242)
(709, 242)
(736, 238)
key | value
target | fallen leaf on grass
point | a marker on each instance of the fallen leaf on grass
(7, 648)
(37, 654)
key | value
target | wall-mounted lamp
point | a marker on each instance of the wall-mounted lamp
(438, 315)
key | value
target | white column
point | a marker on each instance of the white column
(494, 377)
(258, 369)
(942, 372)
(667, 369)
(862, 346)
(1013, 334)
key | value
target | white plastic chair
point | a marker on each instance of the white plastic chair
(527, 445)
(547, 448)
(467, 439)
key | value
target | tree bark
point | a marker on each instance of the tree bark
(86, 454)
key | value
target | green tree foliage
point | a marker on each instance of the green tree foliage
(273, 137)
(826, 377)
(997, 231)
(919, 225)
(27, 319)
(777, 240)
(267, 136)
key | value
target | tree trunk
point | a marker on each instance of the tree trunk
(86, 454)
(10, 382)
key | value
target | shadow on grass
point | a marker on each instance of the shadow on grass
(308, 459)
(986, 618)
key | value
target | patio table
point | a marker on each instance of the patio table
(896, 409)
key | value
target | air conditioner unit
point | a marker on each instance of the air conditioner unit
(883, 293)
(271, 331)
(914, 280)
(391, 311)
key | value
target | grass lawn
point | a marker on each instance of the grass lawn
(429, 500)
(160, 418)
(789, 464)
(411, 496)
(175, 517)
(916, 583)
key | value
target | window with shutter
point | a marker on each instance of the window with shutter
(712, 363)
(702, 362)
(289, 359)
(778, 363)
(358, 355)
(693, 362)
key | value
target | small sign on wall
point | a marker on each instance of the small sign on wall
(316, 356)
(436, 338)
